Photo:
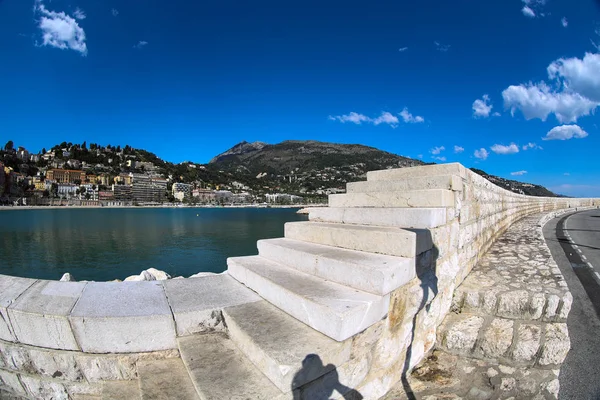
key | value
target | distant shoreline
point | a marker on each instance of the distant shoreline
(9, 208)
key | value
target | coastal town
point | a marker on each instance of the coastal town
(75, 175)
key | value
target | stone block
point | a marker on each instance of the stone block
(421, 218)
(556, 344)
(123, 317)
(374, 273)
(335, 310)
(448, 182)
(165, 379)
(40, 315)
(220, 371)
(513, 304)
(120, 390)
(415, 198)
(44, 389)
(197, 302)
(11, 382)
(497, 338)
(374, 239)
(10, 289)
(528, 342)
(280, 346)
(462, 334)
(420, 171)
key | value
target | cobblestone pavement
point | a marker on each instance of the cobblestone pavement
(506, 336)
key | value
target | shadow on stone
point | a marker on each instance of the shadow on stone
(427, 274)
(323, 387)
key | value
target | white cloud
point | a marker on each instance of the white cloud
(141, 44)
(420, 156)
(518, 173)
(386, 118)
(501, 149)
(528, 12)
(496, 114)
(114, 12)
(482, 154)
(437, 150)
(79, 14)
(408, 117)
(565, 132)
(564, 22)
(352, 117)
(441, 47)
(539, 101)
(579, 75)
(482, 107)
(458, 149)
(60, 30)
(402, 49)
(531, 146)
(439, 158)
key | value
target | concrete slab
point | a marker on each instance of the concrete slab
(425, 170)
(165, 380)
(277, 344)
(123, 317)
(414, 198)
(120, 390)
(220, 371)
(195, 301)
(449, 182)
(373, 273)
(422, 218)
(40, 315)
(11, 288)
(375, 239)
(333, 309)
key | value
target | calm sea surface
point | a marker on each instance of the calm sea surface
(106, 244)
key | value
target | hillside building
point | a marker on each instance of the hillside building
(66, 176)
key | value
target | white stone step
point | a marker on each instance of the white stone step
(413, 172)
(449, 182)
(375, 239)
(333, 309)
(374, 273)
(220, 371)
(421, 218)
(411, 199)
(278, 344)
(165, 379)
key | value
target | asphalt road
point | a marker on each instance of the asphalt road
(574, 242)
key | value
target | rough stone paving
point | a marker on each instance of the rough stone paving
(506, 335)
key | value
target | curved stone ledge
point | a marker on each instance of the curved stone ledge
(111, 317)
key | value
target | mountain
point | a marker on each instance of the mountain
(516, 186)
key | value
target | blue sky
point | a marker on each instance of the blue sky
(189, 79)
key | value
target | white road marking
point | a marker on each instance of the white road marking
(576, 247)
(584, 258)
(597, 277)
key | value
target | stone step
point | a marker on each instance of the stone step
(505, 302)
(220, 371)
(333, 309)
(374, 273)
(117, 390)
(420, 218)
(165, 379)
(411, 199)
(413, 172)
(280, 346)
(375, 239)
(448, 182)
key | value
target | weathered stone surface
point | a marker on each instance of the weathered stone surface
(220, 371)
(11, 381)
(279, 344)
(39, 316)
(528, 342)
(556, 344)
(150, 274)
(497, 338)
(44, 389)
(123, 317)
(413, 198)
(462, 334)
(513, 304)
(420, 171)
(67, 277)
(373, 239)
(421, 218)
(164, 380)
(120, 390)
(449, 182)
(335, 310)
(373, 273)
(197, 302)
(10, 289)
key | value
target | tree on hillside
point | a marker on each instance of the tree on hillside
(44, 150)
(84, 145)
(9, 145)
